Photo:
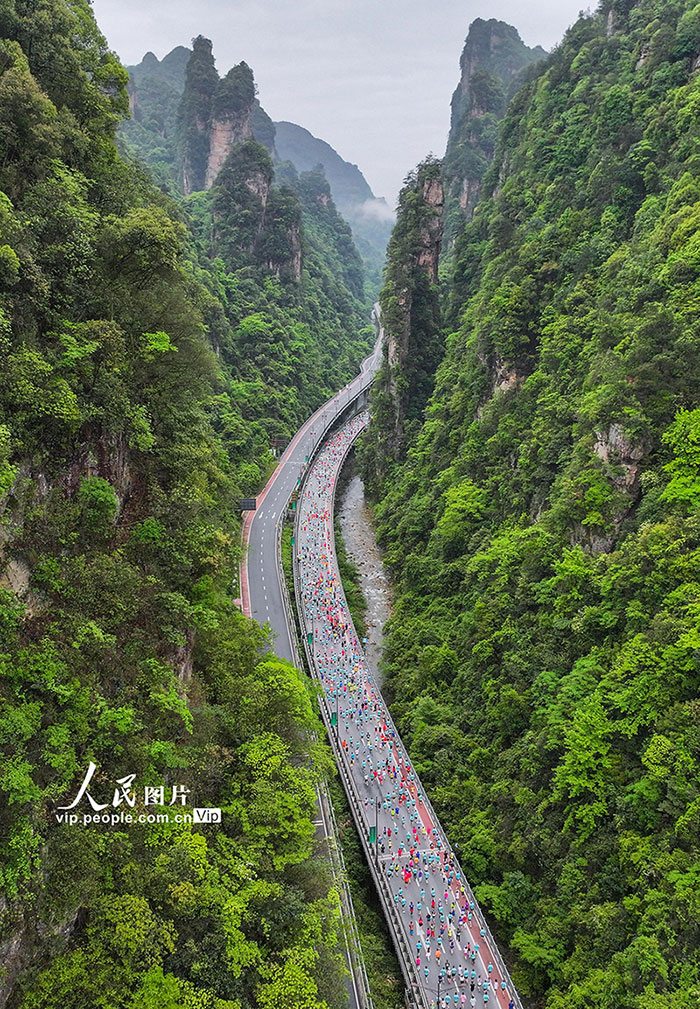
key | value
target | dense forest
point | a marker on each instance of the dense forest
(542, 516)
(150, 349)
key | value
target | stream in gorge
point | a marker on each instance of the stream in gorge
(358, 533)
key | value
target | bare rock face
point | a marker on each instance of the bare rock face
(183, 659)
(108, 457)
(622, 459)
(592, 542)
(215, 116)
(506, 378)
(225, 134)
(427, 260)
(469, 193)
(643, 56)
(24, 940)
(16, 576)
(408, 341)
(295, 245)
(259, 185)
(13, 958)
(431, 231)
(294, 260)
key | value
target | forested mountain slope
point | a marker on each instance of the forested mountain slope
(545, 529)
(288, 314)
(434, 205)
(411, 319)
(370, 218)
(143, 372)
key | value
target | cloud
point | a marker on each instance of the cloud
(379, 210)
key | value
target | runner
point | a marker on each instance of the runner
(413, 856)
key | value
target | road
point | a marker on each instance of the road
(449, 956)
(262, 592)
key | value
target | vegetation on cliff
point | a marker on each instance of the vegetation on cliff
(370, 218)
(493, 64)
(137, 370)
(411, 320)
(175, 102)
(544, 531)
(287, 307)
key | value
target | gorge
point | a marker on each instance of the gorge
(180, 290)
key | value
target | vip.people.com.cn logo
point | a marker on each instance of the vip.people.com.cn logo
(85, 810)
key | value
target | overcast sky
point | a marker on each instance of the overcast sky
(373, 78)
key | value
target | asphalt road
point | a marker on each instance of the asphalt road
(449, 954)
(261, 591)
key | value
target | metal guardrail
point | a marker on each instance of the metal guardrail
(415, 992)
(468, 892)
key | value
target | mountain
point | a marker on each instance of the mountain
(492, 66)
(151, 350)
(170, 70)
(542, 522)
(348, 184)
(248, 214)
(156, 89)
(371, 219)
(433, 208)
(411, 318)
(214, 116)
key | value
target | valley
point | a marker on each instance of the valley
(415, 731)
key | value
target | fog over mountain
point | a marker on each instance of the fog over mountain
(374, 80)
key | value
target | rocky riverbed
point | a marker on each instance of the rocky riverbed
(358, 533)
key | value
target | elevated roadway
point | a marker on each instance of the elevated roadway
(264, 597)
(448, 956)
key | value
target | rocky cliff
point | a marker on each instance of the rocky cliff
(410, 316)
(186, 121)
(214, 116)
(492, 65)
(252, 218)
(231, 114)
(195, 115)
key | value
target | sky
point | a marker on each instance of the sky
(373, 78)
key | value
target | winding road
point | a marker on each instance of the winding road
(263, 598)
(448, 954)
(261, 592)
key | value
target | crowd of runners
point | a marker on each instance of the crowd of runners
(451, 959)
